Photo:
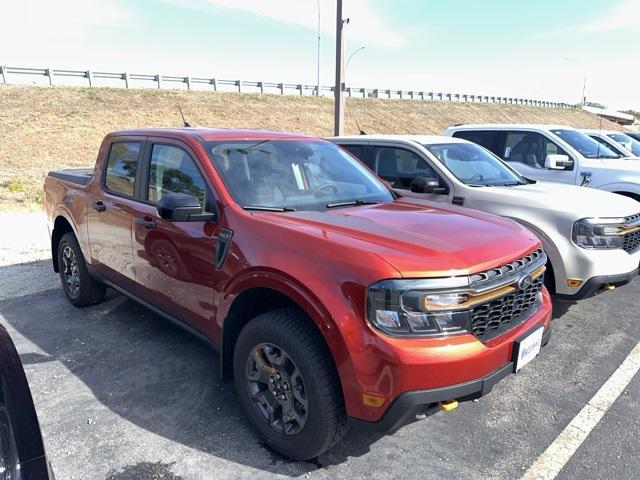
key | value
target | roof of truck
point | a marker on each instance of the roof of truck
(505, 126)
(207, 134)
(421, 139)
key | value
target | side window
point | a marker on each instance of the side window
(122, 165)
(485, 139)
(529, 148)
(399, 166)
(172, 170)
(355, 150)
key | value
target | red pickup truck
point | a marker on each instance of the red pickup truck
(329, 297)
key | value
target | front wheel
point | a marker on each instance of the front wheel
(288, 386)
(81, 289)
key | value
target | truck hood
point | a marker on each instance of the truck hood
(419, 238)
(580, 202)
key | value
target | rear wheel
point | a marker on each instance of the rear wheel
(288, 386)
(81, 289)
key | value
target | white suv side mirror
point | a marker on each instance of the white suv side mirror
(558, 162)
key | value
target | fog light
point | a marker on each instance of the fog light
(372, 400)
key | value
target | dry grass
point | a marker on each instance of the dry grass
(47, 128)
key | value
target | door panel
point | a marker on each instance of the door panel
(175, 261)
(109, 214)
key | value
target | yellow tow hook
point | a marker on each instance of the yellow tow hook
(448, 406)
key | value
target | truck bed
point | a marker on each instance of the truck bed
(79, 176)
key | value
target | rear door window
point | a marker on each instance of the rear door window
(122, 166)
(486, 139)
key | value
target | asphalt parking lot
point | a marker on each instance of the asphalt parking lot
(123, 394)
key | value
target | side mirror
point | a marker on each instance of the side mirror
(426, 185)
(558, 162)
(180, 207)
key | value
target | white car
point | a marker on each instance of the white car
(592, 237)
(617, 141)
(556, 153)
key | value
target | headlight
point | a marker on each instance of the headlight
(599, 233)
(408, 307)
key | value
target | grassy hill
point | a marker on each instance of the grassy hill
(46, 128)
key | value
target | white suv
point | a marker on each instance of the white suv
(556, 153)
(592, 237)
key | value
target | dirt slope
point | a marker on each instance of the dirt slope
(45, 128)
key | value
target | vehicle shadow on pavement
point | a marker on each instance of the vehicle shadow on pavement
(154, 375)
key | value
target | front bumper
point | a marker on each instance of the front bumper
(597, 268)
(411, 406)
(596, 285)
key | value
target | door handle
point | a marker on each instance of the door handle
(146, 222)
(98, 205)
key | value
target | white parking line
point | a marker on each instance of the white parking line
(556, 456)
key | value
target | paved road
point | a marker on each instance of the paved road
(123, 394)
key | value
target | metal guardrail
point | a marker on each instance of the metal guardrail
(161, 81)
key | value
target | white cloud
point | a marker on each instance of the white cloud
(625, 15)
(365, 25)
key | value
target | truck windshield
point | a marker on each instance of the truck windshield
(585, 145)
(289, 175)
(627, 142)
(473, 165)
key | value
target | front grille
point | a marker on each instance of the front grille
(631, 242)
(498, 316)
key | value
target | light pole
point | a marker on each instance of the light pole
(346, 67)
(338, 120)
(318, 72)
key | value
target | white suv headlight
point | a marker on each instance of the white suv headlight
(599, 233)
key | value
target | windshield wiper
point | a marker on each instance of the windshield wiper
(268, 209)
(350, 203)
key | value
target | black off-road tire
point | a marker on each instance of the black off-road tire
(88, 291)
(326, 420)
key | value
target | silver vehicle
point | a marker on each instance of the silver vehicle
(592, 237)
(617, 141)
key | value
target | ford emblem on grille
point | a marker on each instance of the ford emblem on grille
(525, 282)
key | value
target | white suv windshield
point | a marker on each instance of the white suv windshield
(473, 165)
(294, 174)
(585, 145)
(627, 142)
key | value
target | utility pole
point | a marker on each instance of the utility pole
(339, 86)
(584, 91)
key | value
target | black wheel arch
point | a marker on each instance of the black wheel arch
(60, 226)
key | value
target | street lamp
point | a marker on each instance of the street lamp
(349, 59)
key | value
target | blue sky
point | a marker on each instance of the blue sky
(540, 49)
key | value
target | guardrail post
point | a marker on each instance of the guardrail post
(261, 86)
(125, 77)
(89, 76)
(239, 83)
(364, 92)
(49, 73)
(281, 87)
(389, 93)
(401, 94)
(214, 82)
(158, 80)
(3, 72)
(187, 80)
(300, 87)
